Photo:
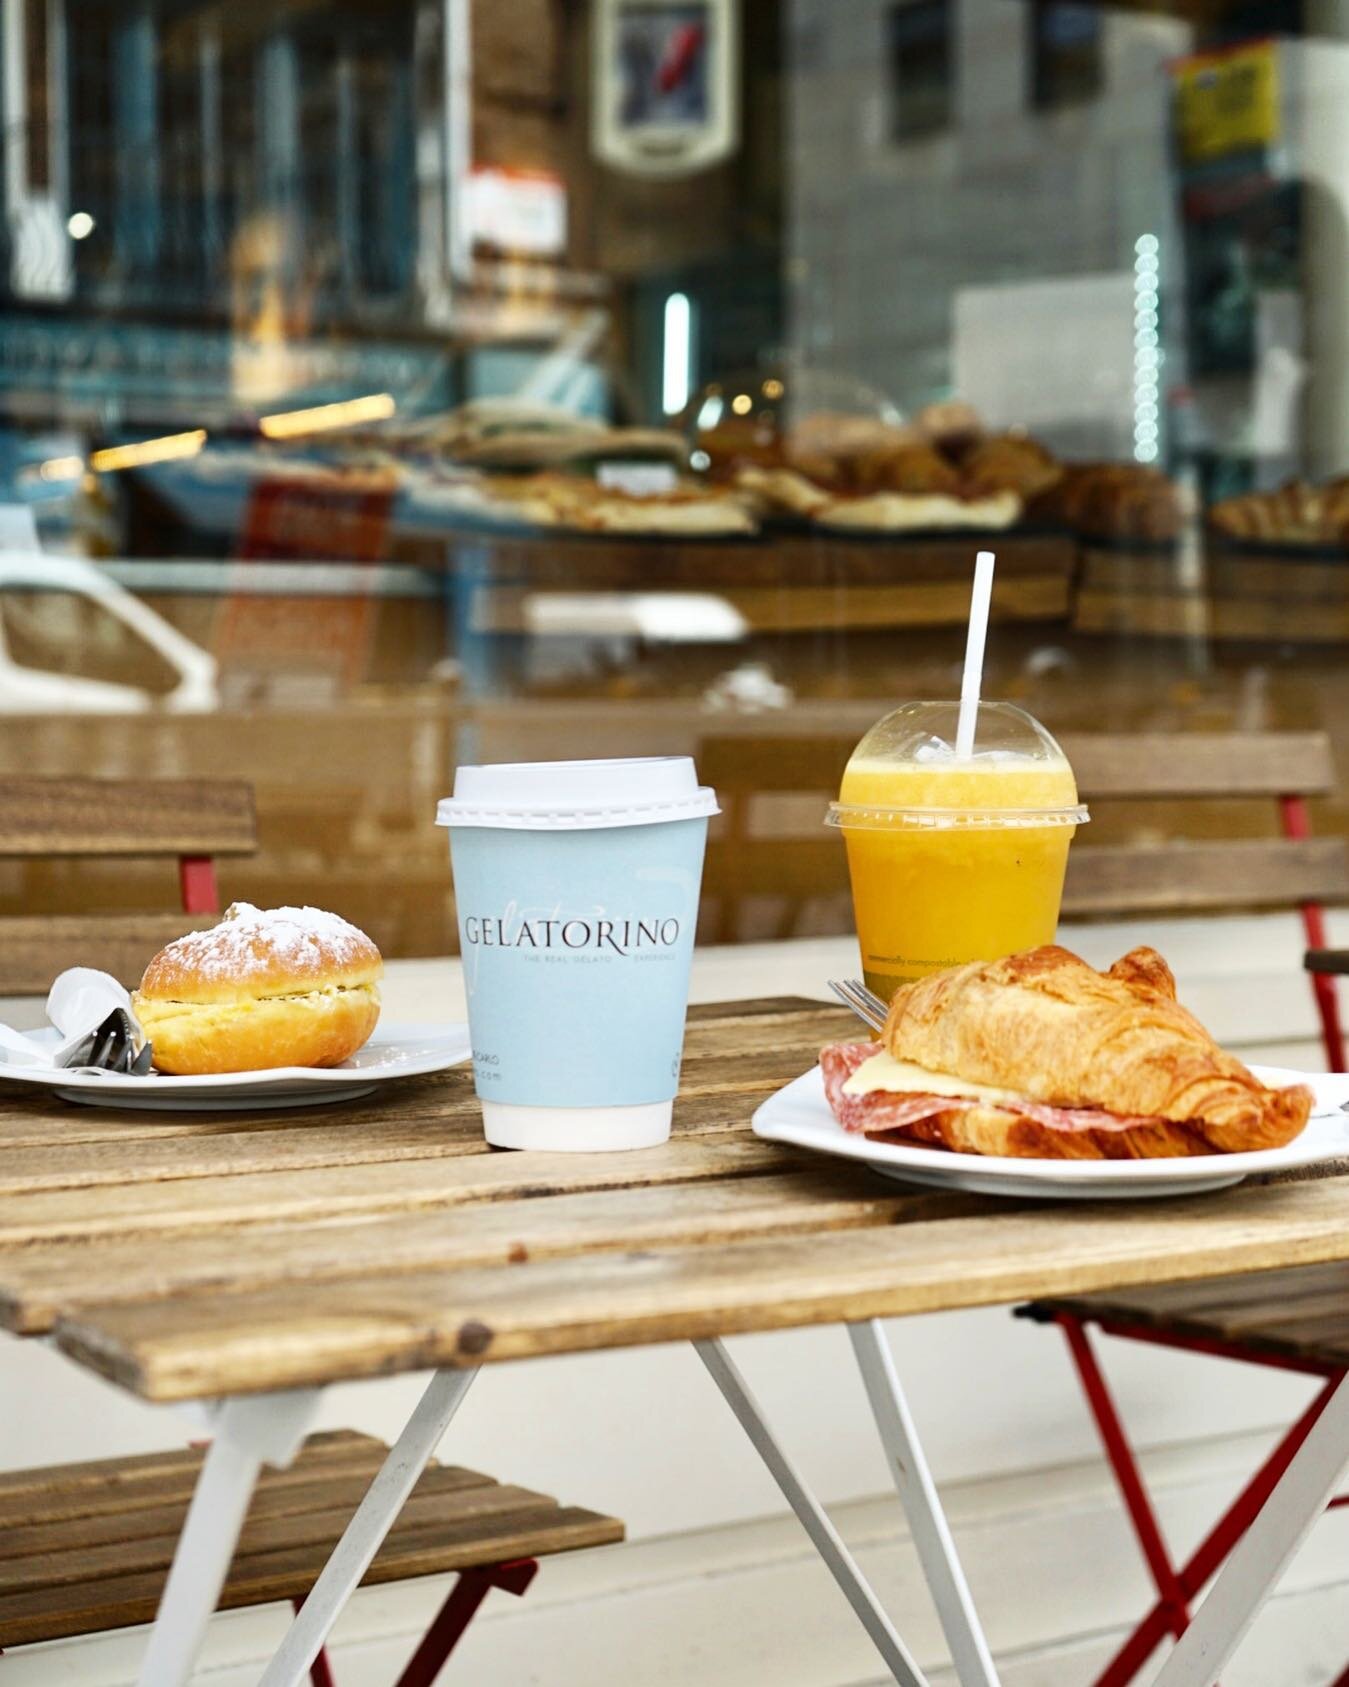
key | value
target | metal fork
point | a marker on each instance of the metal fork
(868, 1006)
(112, 1047)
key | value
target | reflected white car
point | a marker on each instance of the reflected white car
(26, 689)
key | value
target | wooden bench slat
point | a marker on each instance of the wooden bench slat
(36, 1281)
(35, 948)
(1107, 765)
(119, 1602)
(1200, 764)
(806, 869)
(144, 1509)
(64, 1558)
(741, 764)
(1192, 877)
(95, 1483)
(70, 1574)
(190, 1348)
(100, 817)
(1302, 1313)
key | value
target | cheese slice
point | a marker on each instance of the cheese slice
(884, 1072)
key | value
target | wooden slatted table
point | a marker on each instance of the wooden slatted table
(226, 1256)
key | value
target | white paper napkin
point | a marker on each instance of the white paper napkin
(79, 1001)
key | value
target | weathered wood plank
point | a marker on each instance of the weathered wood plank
(93, 1485)
(1303, 1313)
(160, 1511)
(444, 1102)
(37, 1281)
(73, 1559)
(1190, 877)
(216, 1203)
(41, 817)
(1200, 764)
(31, 1118)
(1107, 765)
(34, 949)
(58, 1557)
(296, 1336)
(119, 1601)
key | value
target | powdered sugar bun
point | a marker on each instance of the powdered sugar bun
(264, 988)
(262, 952)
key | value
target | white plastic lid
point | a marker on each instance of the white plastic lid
(923, 736)
(574, 796)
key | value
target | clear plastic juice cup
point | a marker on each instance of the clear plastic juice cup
(954, 859)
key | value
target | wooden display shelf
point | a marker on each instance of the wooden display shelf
(781, 582)
(1239, 595)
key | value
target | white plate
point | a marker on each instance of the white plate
(800, 1115)
(394, 1051)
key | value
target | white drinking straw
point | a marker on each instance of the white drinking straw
(980, 599)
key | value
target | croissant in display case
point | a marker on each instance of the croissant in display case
(1295, 514)
(1112, 501)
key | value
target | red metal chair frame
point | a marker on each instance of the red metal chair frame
(197, 885)
(1178, 1586)
(1296, 823)
(448, 1625)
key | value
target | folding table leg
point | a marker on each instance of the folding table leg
(1264, 1551)
(824, 1537)
(922, 1506)
(364, 1535)
(248, 1432)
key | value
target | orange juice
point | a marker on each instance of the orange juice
(954, 860)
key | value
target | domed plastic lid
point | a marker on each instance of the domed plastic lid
(919, 739)
(574, 796)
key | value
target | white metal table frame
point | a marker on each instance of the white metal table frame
(253, 1430)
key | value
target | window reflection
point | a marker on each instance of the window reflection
(503, 376)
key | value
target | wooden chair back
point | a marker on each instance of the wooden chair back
(802, 861)
(193, 820)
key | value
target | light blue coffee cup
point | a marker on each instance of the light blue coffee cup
(577, 892)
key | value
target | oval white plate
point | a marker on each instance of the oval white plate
(800, 1115)
(394, 1051)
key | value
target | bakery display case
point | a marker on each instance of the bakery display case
(451, 374)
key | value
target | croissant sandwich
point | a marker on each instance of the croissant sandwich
(1039, 1056)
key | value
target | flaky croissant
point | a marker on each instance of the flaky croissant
(1052, 1028)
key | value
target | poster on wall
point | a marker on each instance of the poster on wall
(665, 84)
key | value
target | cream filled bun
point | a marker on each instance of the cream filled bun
(266, 987)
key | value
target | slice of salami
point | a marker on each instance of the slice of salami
(880, 1112)
(1021, 1128)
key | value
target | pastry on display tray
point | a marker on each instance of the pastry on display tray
(1296, 515)
(520, 435)
(1113, 502)
(1010, 463)
(573, 503)
(785, 492)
